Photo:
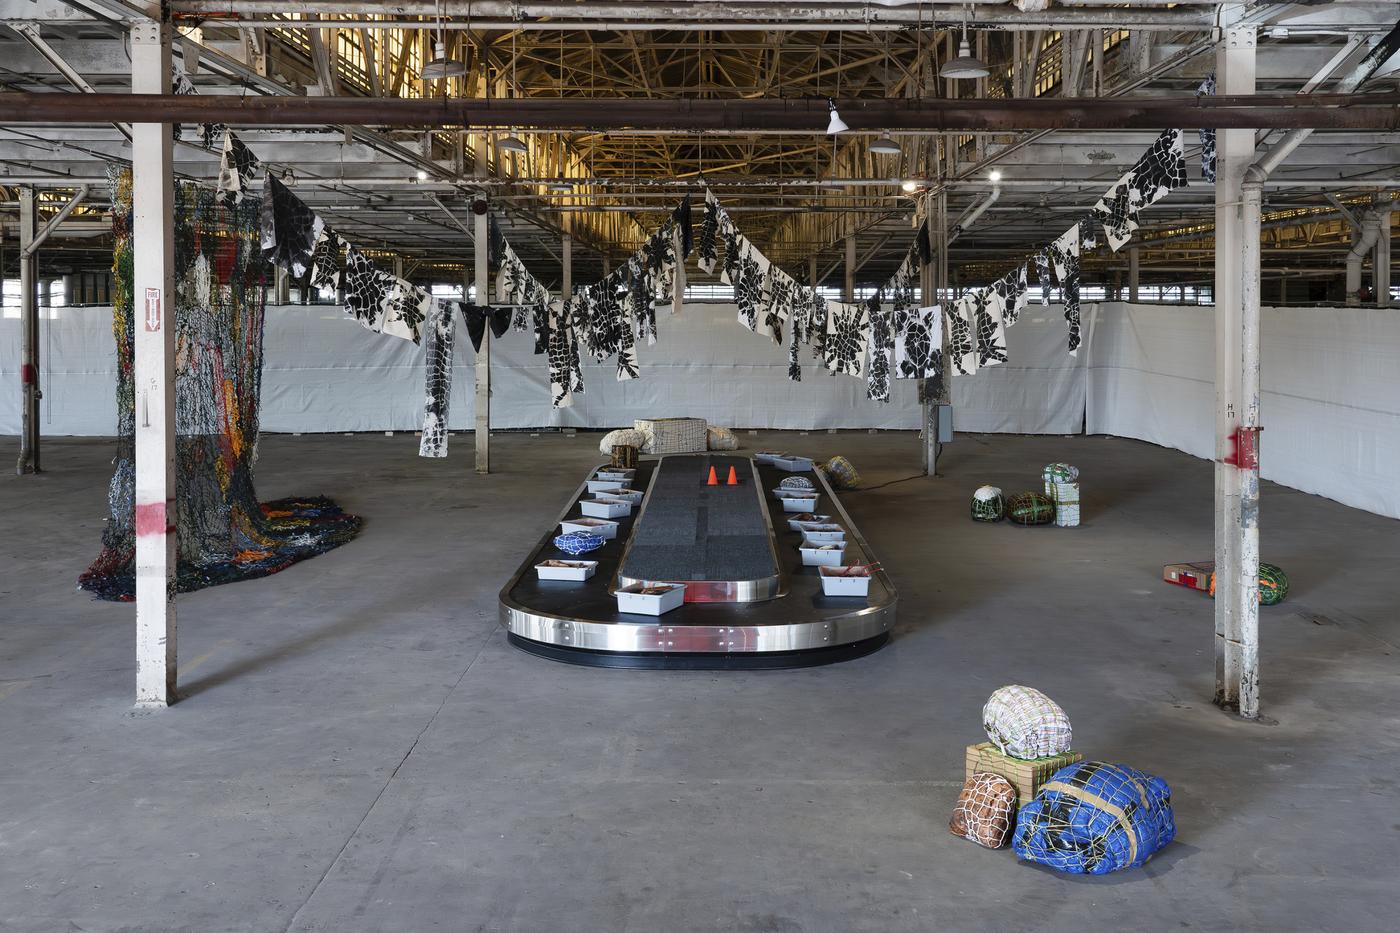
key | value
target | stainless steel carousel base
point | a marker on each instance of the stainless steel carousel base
(579, 623)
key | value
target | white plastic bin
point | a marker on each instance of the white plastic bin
(793, 464)
(575, 570)
(605, 508)
(631, 599)
(823, 556)
(799, 503)
(605, 485)
(823, 534)
(796, 524)
(834, 584)
(598, 526)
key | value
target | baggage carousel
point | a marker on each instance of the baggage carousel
(749, 600)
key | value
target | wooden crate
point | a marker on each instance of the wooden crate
(1025, 775)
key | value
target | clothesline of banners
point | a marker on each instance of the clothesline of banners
(608, 318)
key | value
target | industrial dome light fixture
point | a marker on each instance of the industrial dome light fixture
(966, 65)
(441, 66)
(835, 124)
(885, 145)
(512, 143)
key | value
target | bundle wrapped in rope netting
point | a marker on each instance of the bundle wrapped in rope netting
(224, 534)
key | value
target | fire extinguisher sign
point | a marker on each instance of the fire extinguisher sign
(153, 309)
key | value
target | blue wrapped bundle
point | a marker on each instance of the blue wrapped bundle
(579, 542)
(1093, 818)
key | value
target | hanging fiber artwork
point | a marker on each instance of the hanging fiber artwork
(223, 533)
(991, 327)
(1207, 89)
(1094, 818)
(1030, 508)
(1009, 292)
(1042, 275)
(1160, 170)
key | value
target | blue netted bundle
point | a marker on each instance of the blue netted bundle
(1093, 818)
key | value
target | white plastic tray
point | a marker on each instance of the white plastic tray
(815, 557)
(605, 508)
(598, 526)
(647, 604)
(580, 570)
(844, 586)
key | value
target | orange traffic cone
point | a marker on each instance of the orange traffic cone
(733, 477)
(713, 480)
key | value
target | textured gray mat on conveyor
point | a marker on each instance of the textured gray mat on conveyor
(691, 531)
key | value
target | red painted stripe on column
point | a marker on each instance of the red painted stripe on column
(151, 519)
(28, 375)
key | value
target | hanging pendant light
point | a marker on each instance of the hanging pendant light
(512, 143)
(441, 66)
(966, 65)
(885, 145)
(835, 124)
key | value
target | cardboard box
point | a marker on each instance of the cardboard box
(1026, 776)
(1192, 576)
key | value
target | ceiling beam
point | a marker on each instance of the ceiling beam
(1314, 111)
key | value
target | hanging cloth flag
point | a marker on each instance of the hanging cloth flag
(327, 261)
(1010, 291)
(1115, 214)
(918, 344)
(1207, 89)
(236, 167)
(847, 330)
(988, 315)
(437, 380)
(800, 329)
(779, 289)
(1042, 275)
(879, 350)
(708, 246)
(748, 275)
(1161, 170)
(1064, 255)
(961, 322)
(289, 228)
(478, 318)
(563, 356)
(379, 301)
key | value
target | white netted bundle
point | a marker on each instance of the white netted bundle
(673, 435)
(628, 436)
(720, 438)
(985, 810)
(1025, 723)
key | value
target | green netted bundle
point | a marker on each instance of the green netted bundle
(1030, 508)
(988, 505)
(1273, 585)
(1059, 473)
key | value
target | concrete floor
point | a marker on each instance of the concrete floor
(359, 748)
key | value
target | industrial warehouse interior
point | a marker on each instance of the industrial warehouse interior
(667, 466)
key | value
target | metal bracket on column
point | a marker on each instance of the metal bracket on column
(1241, 37)
(1244, 448)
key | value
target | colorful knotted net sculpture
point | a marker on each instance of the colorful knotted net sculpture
(224, 533)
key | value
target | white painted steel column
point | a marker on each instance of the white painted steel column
(1381, 260)
(1134, 272)
(30, 391)
(153, 300)
(1236, 530)
(480, 253)
(850, 291)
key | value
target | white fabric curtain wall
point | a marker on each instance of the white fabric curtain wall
(1331, 384)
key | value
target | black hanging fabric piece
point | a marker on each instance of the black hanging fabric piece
(475, 316)
(922, 243)
(541, 316)
(496, 245)
(290, 228)
(500, 321)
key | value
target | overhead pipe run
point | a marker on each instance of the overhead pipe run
(1370, 233)
(1377, 112)
(970, 216)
